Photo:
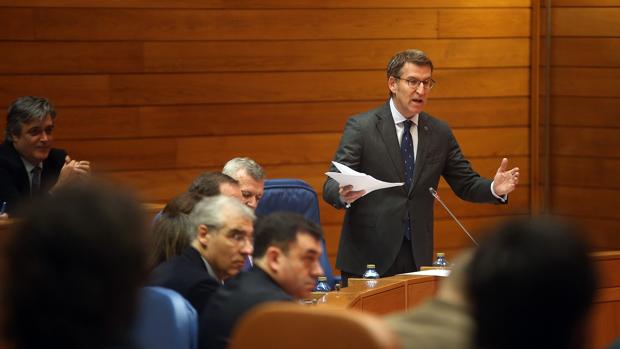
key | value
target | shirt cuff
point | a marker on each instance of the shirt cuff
(502, 198)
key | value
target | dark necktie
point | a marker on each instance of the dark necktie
(35, 185)
(406, 150)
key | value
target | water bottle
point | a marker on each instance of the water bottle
(441, 261)
(322, 285)
(371, 276)
(370, 272)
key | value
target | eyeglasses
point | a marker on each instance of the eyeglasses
(240, 238)
(414, 83)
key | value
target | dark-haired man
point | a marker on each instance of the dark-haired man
(29, 166)
(287, 248)
(398, 142)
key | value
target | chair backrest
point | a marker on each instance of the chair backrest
(292, 325)
(295, 195)
(165, 320)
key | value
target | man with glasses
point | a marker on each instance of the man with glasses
(223, 240)
(398, 142)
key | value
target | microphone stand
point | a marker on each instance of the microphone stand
(436, 196)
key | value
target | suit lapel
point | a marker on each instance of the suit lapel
(424, 137)
(387, 130)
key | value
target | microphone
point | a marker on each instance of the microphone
(436, 196)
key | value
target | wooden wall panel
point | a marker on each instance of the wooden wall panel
(244, 4)
(154, 92)
(232, 56)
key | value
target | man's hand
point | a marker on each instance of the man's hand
(71, 171)
(505, 180)
(348, 195)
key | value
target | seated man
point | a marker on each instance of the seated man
(172, 232)
(74, 268)
(222, 240)
(531, 285)
(215, 183)
(29, 166)
(287, 248)
(443, 322)
(251, 178)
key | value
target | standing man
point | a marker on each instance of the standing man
(29, 166)
(223, 236)
(251, 178)
(286, 254)
(398, 142)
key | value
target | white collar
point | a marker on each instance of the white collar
(398, 117)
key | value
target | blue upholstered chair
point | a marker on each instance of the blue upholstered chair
(295, 195)
(165, 320)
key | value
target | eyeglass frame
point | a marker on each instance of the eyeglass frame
(237, 237)
(414, 83)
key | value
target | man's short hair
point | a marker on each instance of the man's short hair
(213, 211)
(250, 166)
(25, 110)
(396, 63)
(280, 229)
(74, 269)
(208, 183)
(531, 281)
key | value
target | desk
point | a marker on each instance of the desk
(398, 293)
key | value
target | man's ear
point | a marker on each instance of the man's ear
(273, 259)
(392, 84)
(204, 235)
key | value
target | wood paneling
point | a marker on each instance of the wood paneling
(586, 172)
(585, 111)
(228, 4)
(231, 56)
(166, 89)
(489, 23)
(266, 118)
(591, 142)
(586, 21)
(599, 52)
(586, 202)
(154, 92)
(586, 82)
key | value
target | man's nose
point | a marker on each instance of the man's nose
(317, 270)
(247, 248)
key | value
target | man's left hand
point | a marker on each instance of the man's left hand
(505, 180)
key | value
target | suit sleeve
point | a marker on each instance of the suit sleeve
(464, 181)
(8, 189)
(349, 153)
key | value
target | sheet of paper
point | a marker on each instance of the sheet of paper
(431, 272)
(358, 180)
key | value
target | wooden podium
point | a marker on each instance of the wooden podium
(399, 293)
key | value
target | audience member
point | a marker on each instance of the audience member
(531, 284)
(286, 265)
(215, 183)
(170, 235)
(251, 178)
(444, 322)
(75, 265)
(222, 239)
(29, 166)
(173, 229)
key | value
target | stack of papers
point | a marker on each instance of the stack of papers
(358, 180)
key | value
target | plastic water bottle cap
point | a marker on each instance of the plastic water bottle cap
(370, 266)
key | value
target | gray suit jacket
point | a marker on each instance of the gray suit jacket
(373, 226)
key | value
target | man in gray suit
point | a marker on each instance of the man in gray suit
(398, 142)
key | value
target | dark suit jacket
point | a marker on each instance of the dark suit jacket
(231, 302)
(373, 227)
(188, 275)
(14, 180)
